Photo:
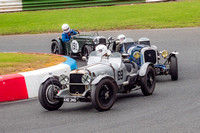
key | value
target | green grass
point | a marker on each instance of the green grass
(140, 16)
(20, 62)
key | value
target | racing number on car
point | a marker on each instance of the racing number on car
(120, 75)
(74, 46)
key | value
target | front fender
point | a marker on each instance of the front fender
(99, 78)
(47, 77)
(57, 40)
(143, 68)
(174, 53)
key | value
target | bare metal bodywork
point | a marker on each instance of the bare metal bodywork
(98, 82)
(111, 67)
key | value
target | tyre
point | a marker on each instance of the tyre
(173, 68)
(104, 95)
(148, 81)
(56, 48)
(47, 93)
(86, 51)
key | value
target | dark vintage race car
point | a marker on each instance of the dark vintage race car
(79, 45)
(98, 82)
(142, 51)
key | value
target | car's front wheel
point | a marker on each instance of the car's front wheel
(56, 48)
(148, 81)
(104, 95)
(47, 92)
(174, 67)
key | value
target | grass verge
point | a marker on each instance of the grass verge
(140, 16)
(21, 62)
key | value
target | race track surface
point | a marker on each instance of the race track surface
(174, 106)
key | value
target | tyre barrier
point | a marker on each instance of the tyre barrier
(26, 84)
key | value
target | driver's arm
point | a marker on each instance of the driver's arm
(73, 32)
(65, 37)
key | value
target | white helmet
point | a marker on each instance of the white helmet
(144, 40)
(65, 28)
(101, 49)
(121, 37)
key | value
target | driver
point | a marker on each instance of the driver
(67, 32)
(119, 40)
(102, 50)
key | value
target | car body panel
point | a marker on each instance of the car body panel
(77, 43)
(142, 53)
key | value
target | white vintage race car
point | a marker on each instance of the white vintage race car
(98, 82)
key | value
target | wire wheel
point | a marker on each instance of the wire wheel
(51, 92)
(104, 95)
(56, 48)
(47, 94)
(148, 81)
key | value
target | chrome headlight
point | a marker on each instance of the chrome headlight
(63, 79)
(136, 55)
(86, 79)
(164, 54)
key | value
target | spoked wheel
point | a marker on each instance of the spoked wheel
(56, 48)
(173, 67)
(148, 81)
(104, 95)
(47, 93)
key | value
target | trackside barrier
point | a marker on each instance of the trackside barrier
(26, 84)
(33, 78)
(31, 5)
(10, 5)
(55, 4)
(12, 87)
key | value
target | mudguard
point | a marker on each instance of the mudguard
(174, 53)
(57, 40)
(144, 67)
(46, 78)
(99, 78)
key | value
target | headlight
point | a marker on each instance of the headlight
(86, 79)
(136, 55)
(164, 54)
(63, 79)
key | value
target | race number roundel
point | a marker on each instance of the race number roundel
(74, 46)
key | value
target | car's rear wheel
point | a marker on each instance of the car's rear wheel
(148, 81)
(174, 67)
(104, 95)
(56, 48)
(86, 51)
(47, 92)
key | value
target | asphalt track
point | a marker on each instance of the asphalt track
(173, 108)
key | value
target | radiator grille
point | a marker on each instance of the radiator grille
(74, 89)
(150, 56)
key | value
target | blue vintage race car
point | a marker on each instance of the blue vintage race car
(142, 51)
